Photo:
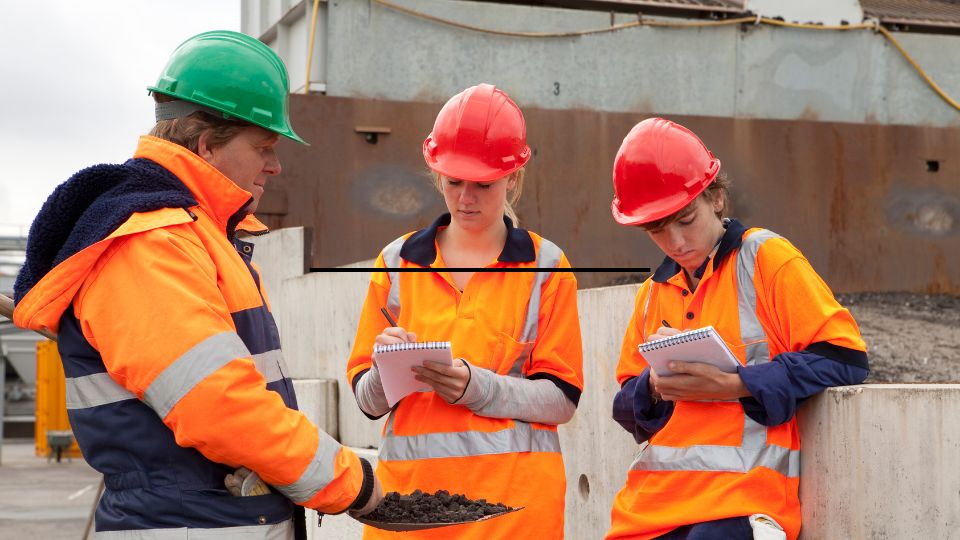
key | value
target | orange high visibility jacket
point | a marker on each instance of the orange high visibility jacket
(710, 460)
(175, 375)
(522, 324)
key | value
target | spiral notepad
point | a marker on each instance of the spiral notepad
(701, 345)
(394, 363)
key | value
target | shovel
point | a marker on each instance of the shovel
(401, 527)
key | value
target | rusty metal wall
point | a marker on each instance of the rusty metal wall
(873, 207)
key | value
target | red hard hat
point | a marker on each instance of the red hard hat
(479, 136)
(660, 168)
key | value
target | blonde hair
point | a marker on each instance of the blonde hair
(186, 131)
(513, 196)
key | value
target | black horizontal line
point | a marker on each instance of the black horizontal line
(588, 269)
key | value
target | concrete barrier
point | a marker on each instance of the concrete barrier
(879, 461)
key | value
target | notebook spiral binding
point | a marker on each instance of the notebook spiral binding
(673, 340)
(411, 346)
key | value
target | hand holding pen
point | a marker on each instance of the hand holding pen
(393, 333)
(664, 331)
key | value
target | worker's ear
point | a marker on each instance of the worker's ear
(203, 148)
(719, 203)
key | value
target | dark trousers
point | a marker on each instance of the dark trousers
(737, 528)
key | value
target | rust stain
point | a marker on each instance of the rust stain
(822, 185)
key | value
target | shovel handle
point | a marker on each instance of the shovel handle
(6, 309)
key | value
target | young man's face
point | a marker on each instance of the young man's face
(247, 159)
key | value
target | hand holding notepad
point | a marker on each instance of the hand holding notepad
(701, 345)
(394, 363)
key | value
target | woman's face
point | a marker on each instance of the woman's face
(690, 239)
(476, 206)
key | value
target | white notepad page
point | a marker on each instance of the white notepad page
(701, 345)
(394, 363)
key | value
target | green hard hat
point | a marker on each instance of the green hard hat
(232, 73)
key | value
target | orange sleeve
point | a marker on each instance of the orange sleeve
(798, 303)
(153, 309)
(631, 362)
(371, 323)
(558, 349)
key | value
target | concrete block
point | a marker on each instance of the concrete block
(881, 461)
(279, 255)
(319, 321)
(318, 400)
(596, 450)
(355, 428)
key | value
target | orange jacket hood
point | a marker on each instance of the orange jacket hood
(85, 214)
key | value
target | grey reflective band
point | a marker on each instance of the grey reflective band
(646, 305)
(751, 332)
(548, 256)
(710, 458)
(170, 110)
(193, 366)
(754, 434)
(516, 368)
(276, 531)
(271, 365)
(318, 473)
(520, 438)
(94, 390)
(391, 259)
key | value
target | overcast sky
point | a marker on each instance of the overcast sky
(73, 85)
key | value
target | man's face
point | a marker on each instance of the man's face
(247, 159)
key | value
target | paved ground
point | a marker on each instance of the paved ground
(40, 500)
(51, 501)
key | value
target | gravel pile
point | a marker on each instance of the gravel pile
(440, 507)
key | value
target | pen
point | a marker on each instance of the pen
(665, 323)
(388, 317)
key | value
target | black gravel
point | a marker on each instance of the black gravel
(439, 507)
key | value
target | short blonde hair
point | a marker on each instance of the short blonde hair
(186, 131)
(513, 196)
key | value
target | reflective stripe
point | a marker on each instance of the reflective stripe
(193, 366)
(646, 305)
(548, 256)
(520, 438)
(718, 459)
(94, 390)
(271, 365)
(754, 434)
(276, 531)
(391, 259)
(318, 473)
(751, 332)
(516, 369)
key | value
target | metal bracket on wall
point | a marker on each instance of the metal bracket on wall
(372, 133)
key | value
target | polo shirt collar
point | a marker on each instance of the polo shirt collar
(729, 242)
(421, 247)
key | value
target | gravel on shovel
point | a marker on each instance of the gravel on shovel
(440, 507)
